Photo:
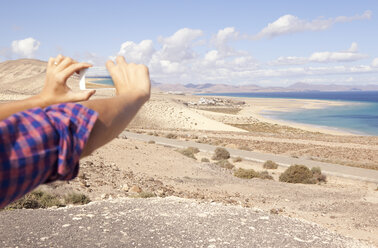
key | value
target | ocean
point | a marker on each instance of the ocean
(359, 118)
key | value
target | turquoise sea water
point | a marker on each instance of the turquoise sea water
(106, 81)
(360, 118)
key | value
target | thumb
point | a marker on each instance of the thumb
(82, 95)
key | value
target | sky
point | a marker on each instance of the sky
(267, 43)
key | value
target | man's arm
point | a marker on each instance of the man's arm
(133, 87)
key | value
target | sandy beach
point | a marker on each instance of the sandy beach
(127, 167)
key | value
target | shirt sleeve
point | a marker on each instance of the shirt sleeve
(41, 145)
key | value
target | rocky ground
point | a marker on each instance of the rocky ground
(162, 222)
(145, 169)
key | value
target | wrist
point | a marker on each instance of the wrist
(137, 95)
(42, 101)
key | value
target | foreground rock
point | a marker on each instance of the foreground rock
(161, 222)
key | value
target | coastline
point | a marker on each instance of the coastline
(257, 106)
(97, 85)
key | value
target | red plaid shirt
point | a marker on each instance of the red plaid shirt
(41, 145)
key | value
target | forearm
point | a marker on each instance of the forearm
(114, 114)
(8, 109)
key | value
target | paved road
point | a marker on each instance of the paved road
(327, 168)
(161, 222)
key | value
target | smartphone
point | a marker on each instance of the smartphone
(95, 78)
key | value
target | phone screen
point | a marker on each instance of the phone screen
(95, 78)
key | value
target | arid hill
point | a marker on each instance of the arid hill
(24, 76)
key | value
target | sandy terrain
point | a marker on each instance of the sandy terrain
(124, 167)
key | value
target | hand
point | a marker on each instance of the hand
(56, 91)
(130, 78)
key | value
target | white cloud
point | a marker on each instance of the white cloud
(344, 56)
(353, 48)
(289, 60)
(25, 48)
(374, 63)
(349, 55)
(221, 39)
(137, 53)
(288, 24)
(178, 47)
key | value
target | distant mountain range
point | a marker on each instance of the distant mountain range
(226, 88)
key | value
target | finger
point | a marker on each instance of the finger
(59, 59)
(120, 60)
(50, 62)
(74, 68)
(67, 61)
(110, 66)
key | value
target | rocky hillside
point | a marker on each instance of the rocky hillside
(24, 76)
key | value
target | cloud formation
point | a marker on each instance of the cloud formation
(344, 56)
(349, 55)
(183, 58)
(289, 24)
(137, 53)
(25, 48)
(374, 63)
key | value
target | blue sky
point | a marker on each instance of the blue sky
(269, 43)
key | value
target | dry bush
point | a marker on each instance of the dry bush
(36, 199)
(265, 175)
(187, 152)
(194, 150)
(237, 159)
(220, 154)
(224, 163)
(171, 136)
(316, 170)
(76, 198)
(41, 199)
(146, 194)
(270, 165)
(151, 142)
(317, 175)
(247, 174)
(205, 160)
(297, 174)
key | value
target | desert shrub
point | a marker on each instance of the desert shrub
(171, 136)
(194, 150)
(36, 199)
(250, 173)
(224, 163)
(247, 174)
(151, 142)
(316, 170)
(297, 174)
(220, 153)
(265, 175)
(187, 152)
(205, 160)
(76, 198)
(146, 194)
(317, 174)
(237, 159)
(270, 165)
